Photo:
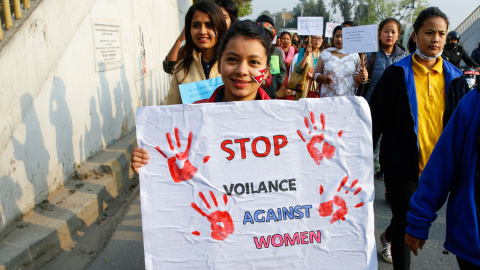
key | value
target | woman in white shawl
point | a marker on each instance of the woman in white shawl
(340, 74)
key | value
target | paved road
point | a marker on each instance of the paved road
(125, 249)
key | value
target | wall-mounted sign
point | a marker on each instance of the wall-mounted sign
(107, 42)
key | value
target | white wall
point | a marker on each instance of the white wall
(56, 109)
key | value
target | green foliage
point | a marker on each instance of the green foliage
(374, 11)
(244, 7)
(311, 9)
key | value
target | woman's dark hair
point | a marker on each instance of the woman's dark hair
(247, 29)
(338, 27)
(218, 20)
(286, 33)
(230, 7)
(390, 20)
(424, 15)
(427, 14)
(348, 24)
(411, 45)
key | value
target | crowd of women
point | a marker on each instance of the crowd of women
(411, 98)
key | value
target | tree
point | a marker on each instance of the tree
(244, 6)
(374, 11)
(311, 9)
(345, 8)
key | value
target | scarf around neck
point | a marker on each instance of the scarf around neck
(288, 56)
(334, 49)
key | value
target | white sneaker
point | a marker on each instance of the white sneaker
(387, 248)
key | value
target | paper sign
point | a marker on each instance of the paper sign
(310, 26)
(191, 92)
(329, 29)
(258, 184)
(360, 39)
(274, 65)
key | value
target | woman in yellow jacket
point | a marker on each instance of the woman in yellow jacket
(204, 26)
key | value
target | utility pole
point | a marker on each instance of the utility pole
(411, 10)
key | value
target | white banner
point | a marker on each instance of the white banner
(310, 26)
(360, 39)
(258, 184)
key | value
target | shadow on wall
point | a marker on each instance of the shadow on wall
(127, 103)
(32, 152)
(10, 193)
(61, 118)
(115, 126)
(93, 137)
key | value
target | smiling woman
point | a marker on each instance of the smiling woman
(205, 25)
(243, 63)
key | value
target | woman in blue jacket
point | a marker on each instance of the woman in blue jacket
(390, 52)
(410, 105)
(453, 172)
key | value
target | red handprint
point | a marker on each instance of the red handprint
(325, 209)
(327, 150)
(218, 232)
(188, 170)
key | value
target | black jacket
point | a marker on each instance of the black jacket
(454, 53)
(395, 115)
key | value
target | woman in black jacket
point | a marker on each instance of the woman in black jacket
(410, 105)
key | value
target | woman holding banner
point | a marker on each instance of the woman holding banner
(288, 53)
(205, 25)
(337, 72)
(244, 58)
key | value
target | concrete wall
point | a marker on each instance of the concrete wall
(57, 110)
(471, 37)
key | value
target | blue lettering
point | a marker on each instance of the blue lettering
(258, 212)
(299, 212)
(271, 215)
(288, 213)
(307, 210)
(247, 218)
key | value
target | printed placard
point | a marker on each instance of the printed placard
(329, 29)
(256, 184)
(360, 39)
(191, 92)
(310, 26)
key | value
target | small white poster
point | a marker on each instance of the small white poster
(310, 26)
(360, 39)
